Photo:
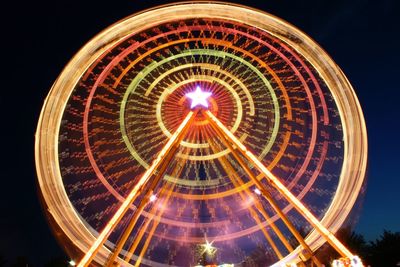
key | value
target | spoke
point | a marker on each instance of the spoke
(166, 193)
(144, 201)
(237, 182)
(333, 241)
(101, 239)
(155, 222)
(266, 194)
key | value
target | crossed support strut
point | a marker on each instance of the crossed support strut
(274, 181)
(146, 185)
(169, 148)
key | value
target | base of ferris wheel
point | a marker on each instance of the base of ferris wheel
(341, 262)
(208, 260)
(239, 152)
(304, 261)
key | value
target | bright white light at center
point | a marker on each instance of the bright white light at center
(198, 97)
(153, 198)
(257, 191)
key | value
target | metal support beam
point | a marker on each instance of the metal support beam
(148, 191)
(238, 182)
(233, 177)
(264, 191)
(166, 193)
(138, 188)
(325, 233)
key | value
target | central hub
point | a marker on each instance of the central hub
(198, 97)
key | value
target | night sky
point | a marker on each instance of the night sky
(363, 37)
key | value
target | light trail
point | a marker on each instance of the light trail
(265, 193)
(237, 182)
(85, 261)
(145, 200)
(128, 52)
(156, 212)
(333, 241)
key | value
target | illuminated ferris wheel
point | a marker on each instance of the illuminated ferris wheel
(200, 134)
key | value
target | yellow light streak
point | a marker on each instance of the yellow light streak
(157, 211)
(59, 206)
(236, 180)
(265, 193)
(128, 201)
(284, 191)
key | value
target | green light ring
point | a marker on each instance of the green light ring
(193, 79)
(153, 65)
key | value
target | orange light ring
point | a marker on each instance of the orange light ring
(46, 142)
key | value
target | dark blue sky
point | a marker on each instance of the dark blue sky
(363, 37)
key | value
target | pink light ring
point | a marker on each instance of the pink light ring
(313, 111)
(314, 117)
(309, 72)
(181, 29)
(135, 45)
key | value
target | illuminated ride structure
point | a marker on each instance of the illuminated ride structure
(200, 134)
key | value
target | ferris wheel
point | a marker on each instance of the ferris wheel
(200, 134)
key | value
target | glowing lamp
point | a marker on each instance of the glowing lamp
(153, 198)
(257, 191)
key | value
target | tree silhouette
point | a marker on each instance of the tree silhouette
(354, 242)
(385, 251)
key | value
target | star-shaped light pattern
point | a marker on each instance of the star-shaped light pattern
(198, 97)
(208, 248)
